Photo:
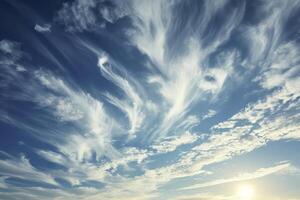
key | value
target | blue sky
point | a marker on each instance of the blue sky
(150, 100)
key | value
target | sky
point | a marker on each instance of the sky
(150, 100)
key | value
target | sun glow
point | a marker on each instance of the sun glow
(245, 192)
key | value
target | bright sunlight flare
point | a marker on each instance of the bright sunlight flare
(245, 192)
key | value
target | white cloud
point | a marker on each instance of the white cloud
(2, 182)
(259, 173)
(20, 68)
(11, 48)
(42, 28)
(152, 20)
(7, 46)
(132, 104)
(209, 114)
(12, 66)
(204, 196)
(112, 14)
(95, 127)
(88, 15)
(266, 36)
(52, 156)
(22, 168)
(78, 15)
(182, 82)
(283, 67)
(161, 106)
(172, 143)
(254, 130)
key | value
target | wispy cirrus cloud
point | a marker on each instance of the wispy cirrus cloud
(21, 168)
(243, 177)
(124, 126)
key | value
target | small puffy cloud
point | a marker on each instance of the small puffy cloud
(42, 28)
(10, 48)
(10, 55)
(7, 46)
(20, 68)
(210, 114)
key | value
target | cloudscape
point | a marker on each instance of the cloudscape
(150, 100)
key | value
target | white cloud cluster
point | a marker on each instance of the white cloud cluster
(78, 15)
(172, 143)
(87, 15)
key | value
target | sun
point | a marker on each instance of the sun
(245, 192)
